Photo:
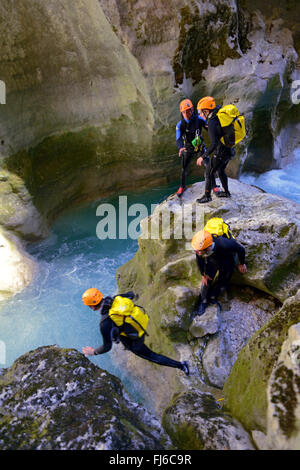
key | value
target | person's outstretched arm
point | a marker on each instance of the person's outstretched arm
(105, 328)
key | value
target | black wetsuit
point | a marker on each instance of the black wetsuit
(107, 329)
(185, 134)
(221, 154)
(223, 259)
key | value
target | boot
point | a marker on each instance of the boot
(201, 310)
(223, 194)
(180, 191)
(204, 198)
(185, 367)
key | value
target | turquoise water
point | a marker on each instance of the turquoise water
(71, 260)
(284, 182)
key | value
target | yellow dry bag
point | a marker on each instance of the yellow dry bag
(216, 226)
(233, 125)
(125, 314)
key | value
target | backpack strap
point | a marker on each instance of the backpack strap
(145, 332)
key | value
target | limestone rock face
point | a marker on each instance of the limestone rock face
(206, 324)
(195, 421)
(54, 398)
(18, 213)
(283, 421)
(262, 390)
(16, 267)
(240, 52)
(76, 105)
(239, 319)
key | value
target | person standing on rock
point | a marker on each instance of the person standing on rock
(188, 138)
(216, 255)
(217, 156)
(110, 307)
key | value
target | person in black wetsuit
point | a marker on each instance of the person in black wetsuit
(217, 155)
(216, 254)
(110, 332)
(188, 128)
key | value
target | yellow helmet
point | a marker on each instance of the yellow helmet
(202, 240)
(92, 296)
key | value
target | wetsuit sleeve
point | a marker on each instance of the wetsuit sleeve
(203, 123)
(232, 246)
(129, 295)
(105, 329)
(107, 303)
(179, 140)
(200, 264)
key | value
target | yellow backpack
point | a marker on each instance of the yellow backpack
(217, 226)
(233, 125)
(123, 312)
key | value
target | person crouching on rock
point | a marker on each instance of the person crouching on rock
(114, 327)
(188, 138)
(217, 155)
(216, 255)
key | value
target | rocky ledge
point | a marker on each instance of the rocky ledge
(260, 306)
(54, 398)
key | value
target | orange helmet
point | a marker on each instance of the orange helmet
(185, 104)
(92, 296)
(206, 103)
(202, 240)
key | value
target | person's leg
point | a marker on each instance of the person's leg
(208, 182)
(206, 288)
(140, 349)
(225, 272)
(222, 175)
(223, 157)
(187, 157)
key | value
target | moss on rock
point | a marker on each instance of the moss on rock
(246, 388)
(54, 398)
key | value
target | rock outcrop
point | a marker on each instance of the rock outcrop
(195, 421)
(165, 275)
(56, 399)
(262, 391)
(17, 268)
